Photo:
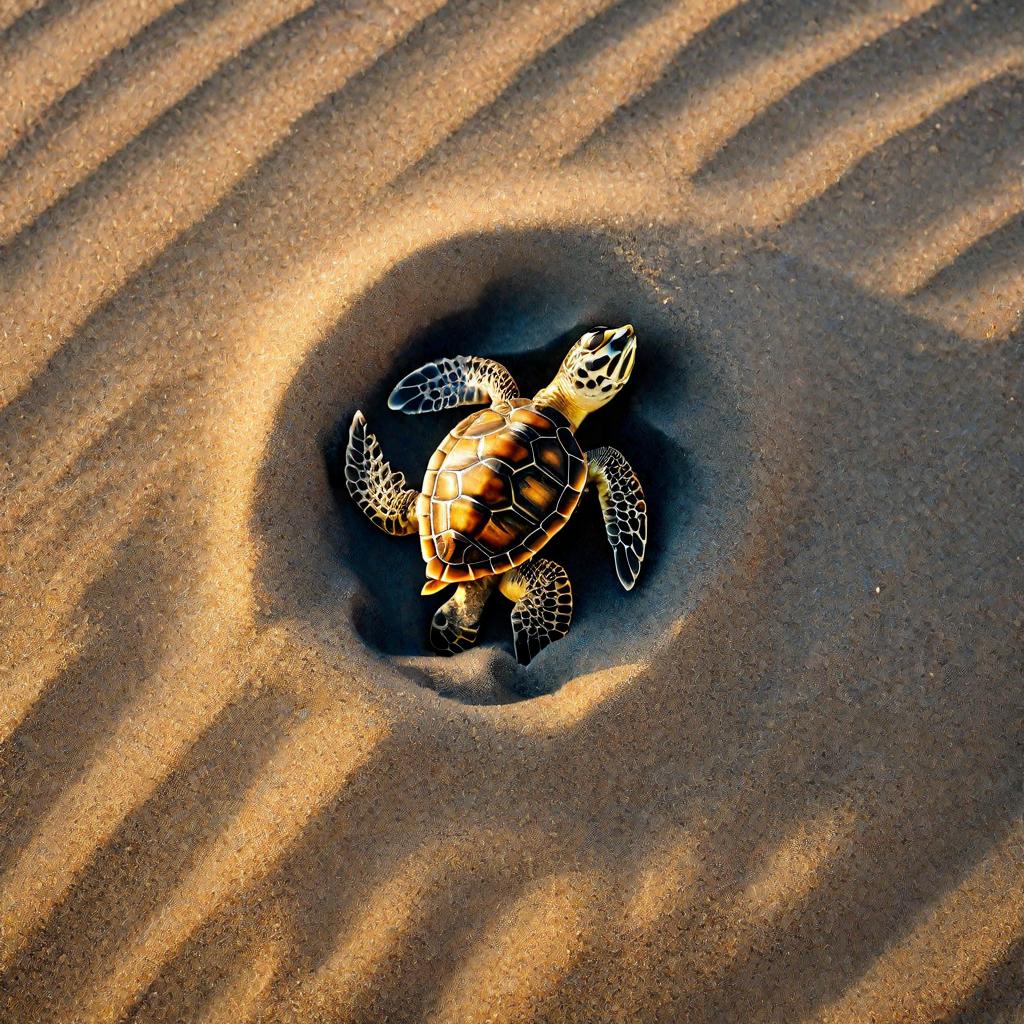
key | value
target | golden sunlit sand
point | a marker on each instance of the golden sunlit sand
(781, 780)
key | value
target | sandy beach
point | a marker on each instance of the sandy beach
(782, 780)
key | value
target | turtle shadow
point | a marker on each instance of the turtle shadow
(522, 300)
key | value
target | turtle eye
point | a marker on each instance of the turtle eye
(593, 340)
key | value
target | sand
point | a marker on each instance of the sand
(782, 780)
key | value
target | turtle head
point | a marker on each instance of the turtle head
(598, 366)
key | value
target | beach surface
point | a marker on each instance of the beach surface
(782, 780)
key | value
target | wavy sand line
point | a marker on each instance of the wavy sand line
(129, 871)
(124, 95)
(938, 244)
(514, 965)
(223, 133)
(627, 46)
(463, 90)
(791, 169)
(94, 500)
(78, 469)
(393, 910)
(240, 1000)
(337, 743)
(141, 750)
(349, 979)
(65, 44)
(807, 176)
(140, 755)
(730, 921)
(988, 197)
(893, 241)
(67, 562)
(784, 880)
(15, 9)
(696, 119)
(981, 293)
(945, 954)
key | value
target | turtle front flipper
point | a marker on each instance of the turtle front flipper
(463, 380)
(374, 486)
(543, 606)
(624, 508)
(456, 623)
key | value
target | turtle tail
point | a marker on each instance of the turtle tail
(374, 486)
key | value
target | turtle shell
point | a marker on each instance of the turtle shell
(498, 488)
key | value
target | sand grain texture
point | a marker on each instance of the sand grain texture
(780, 781)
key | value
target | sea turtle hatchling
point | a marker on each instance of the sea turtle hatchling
(502, 484)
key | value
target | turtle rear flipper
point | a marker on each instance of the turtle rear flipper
(463, 380)
(375, 487)
(543, 606)
(456, 623)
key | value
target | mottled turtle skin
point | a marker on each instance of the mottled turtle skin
(498, 488)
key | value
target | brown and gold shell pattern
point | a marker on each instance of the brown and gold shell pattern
(499, 487)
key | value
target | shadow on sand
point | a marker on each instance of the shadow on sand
(523, 300)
